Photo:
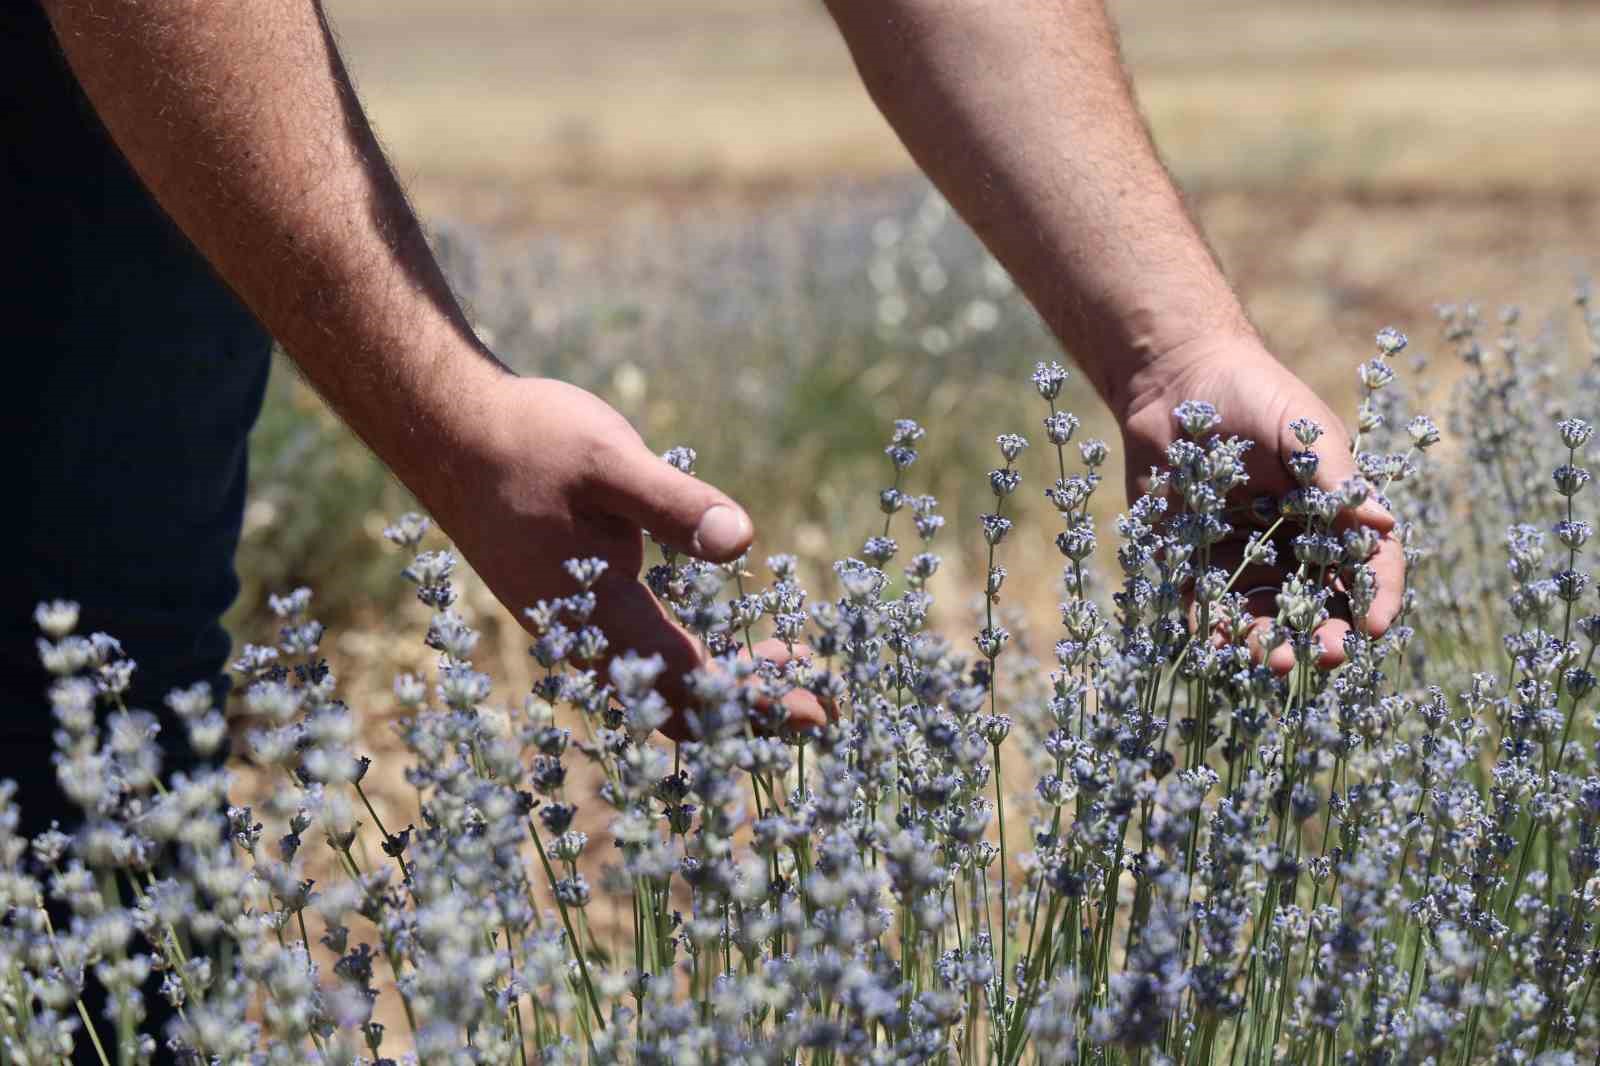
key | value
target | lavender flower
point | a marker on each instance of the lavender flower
(1147, 847)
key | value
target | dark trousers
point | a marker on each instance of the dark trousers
(134, 376)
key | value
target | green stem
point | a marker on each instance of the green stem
(83, 1012)
(566, 920)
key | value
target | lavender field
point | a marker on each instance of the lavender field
(1059, 811)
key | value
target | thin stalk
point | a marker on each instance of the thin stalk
(566, 920)
(83, 1012)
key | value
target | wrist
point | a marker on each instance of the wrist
(443, 428)
(1152, 370)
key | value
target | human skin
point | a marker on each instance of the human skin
(1021, 112)
(239, 117)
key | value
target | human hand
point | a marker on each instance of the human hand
(1257, 398)
(557, 474)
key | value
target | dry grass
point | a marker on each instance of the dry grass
(538, 112)
(1354, 162)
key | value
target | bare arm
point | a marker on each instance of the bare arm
(1021, 113)
(239, 117)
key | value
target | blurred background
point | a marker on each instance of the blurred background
(692, 208)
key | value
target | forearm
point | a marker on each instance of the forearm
(1020, 112)
(238, 115)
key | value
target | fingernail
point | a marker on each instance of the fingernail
(721, 532)
(1264, 510)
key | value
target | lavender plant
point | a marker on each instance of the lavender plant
(1148, 849)
(818, 318)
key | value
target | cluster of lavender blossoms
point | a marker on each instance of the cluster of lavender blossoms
(1150, 849)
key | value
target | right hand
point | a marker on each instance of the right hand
(553, 473)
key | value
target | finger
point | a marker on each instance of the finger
(776, 651)
(1281, 659)
(1258, 584)
(634, 620)
(1261, 511)
(680, 511)
(1389, 567)
(1369, 513)
(1330, 640)
(1253, 635)
(802, 709)
(1335, 466)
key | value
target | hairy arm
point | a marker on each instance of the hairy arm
(1021, 112)
(239, 117)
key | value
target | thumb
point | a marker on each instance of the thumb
(679, 510)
